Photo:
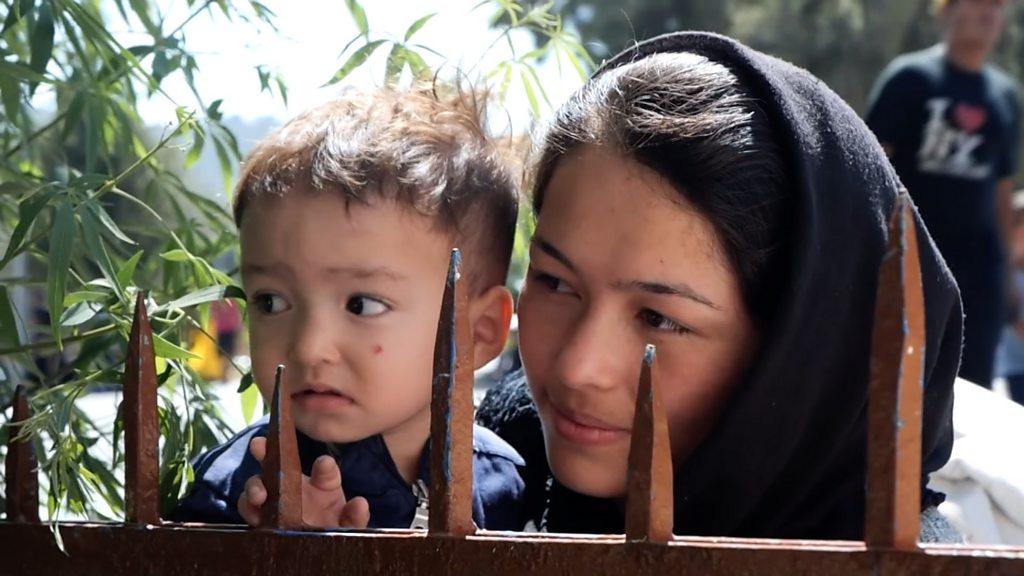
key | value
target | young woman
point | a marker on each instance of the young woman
(730, 209)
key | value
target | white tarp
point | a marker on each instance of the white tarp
(984, 478)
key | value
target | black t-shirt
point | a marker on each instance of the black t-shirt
(955, 135)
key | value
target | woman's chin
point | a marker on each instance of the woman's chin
(588, 477)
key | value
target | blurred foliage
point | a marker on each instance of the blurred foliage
(93, 210)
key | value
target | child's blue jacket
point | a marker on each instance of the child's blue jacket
(366, 470)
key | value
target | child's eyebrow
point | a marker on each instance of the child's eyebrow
(365, 272)
(355, 272)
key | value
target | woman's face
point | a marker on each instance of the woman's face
(619, 260)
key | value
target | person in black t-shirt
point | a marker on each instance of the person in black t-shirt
(950, 122)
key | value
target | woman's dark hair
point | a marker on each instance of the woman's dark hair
(692, 121)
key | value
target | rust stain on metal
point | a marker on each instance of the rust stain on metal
(894, 392)
(22, 476)
(649, 490)
(451, 413)
(141, 426)
(282, 472)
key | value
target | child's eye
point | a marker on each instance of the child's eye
(366, 306)
(270, 303)
(659, 321)
(551, 283)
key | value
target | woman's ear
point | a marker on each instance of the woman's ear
(490, 315)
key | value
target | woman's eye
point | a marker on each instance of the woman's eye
(659, 321)
(552, 283)
(268, 303)
(365, 306)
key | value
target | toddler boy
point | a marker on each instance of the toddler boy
(347, 216)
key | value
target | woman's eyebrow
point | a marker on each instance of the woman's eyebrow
(547, 248)
(681, 290)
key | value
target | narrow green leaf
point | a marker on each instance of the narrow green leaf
(127, 270)
(248, 398)
(202, 296)
(79, 314)
(213, 110)
(59, 261)
(226, 173)
(282, 88)
(176, 255)
(530, 96)
(10, 93)
(165, 349)
(396, 61)
(358, 15)
(540, 85)
(199, 140)
(22, 72)
(419, 67)
(570, 53)
(16, 13)
(246, 383)
(354, 61)
(28, 210)
(420, 23)
(42, 39)
(85, 296)
(97, 248)
(9, 336)
(103, 218)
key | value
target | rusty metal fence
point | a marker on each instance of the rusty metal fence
(143, 544)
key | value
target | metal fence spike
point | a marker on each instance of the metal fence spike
(649, 489)
(22, 476)
(895, 389)
(451, 413)
(141, 425)
(282, 472)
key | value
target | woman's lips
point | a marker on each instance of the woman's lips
(321, 400)
(581, 429)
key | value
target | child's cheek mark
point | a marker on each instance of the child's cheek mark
(377, 349)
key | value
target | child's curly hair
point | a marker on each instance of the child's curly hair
(425, 147)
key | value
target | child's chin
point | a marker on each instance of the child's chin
(334, 432)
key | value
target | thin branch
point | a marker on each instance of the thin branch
(53, 343)
(14, 149)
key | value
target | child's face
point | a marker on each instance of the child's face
(615, 264)
(348, 299)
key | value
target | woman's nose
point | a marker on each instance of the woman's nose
(313, 340)
(595, 354)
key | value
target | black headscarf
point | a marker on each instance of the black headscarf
(788, 456)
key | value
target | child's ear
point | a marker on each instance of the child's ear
(490, 315)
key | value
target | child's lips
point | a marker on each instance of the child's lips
(321, 398)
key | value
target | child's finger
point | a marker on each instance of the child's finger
(325, 474)
(258, 448)
(252, 498)
(247, 512)
(255, 491)
(355, 513)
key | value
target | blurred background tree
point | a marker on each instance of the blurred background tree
(844, 42)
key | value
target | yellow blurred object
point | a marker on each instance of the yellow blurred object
(209, 364)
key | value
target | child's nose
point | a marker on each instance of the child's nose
(313, 341)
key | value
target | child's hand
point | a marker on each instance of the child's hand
(323, 500)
